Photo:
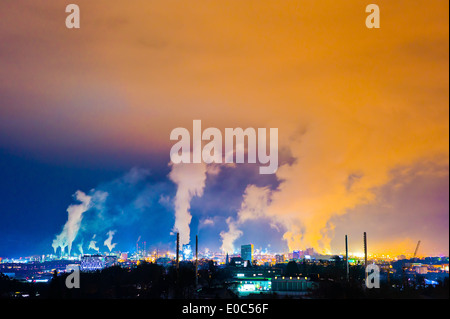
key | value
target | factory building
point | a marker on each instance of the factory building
(92, 262)
(292, 285)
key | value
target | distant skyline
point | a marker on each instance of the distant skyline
(362, 118)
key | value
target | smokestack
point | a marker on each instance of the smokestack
(137, 245)
(196, 261)
(178, 259)
(178, 251)
(346, 256)
(365, 252)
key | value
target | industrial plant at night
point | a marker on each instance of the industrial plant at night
(197, 273)
(216, 157)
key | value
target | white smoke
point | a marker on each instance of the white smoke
(80, 248)
(206, 222)
(190, 180)
(108, 241)
(230, 236)
(92, 244)
(72, 226)
(59, 242)
(254, 206)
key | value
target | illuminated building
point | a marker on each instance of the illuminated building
(237, 262)
(92, 262)
(310, 252)
(421, 270)
(297, 254)
(247, 252)
(258, 282)
(254, 285)
(292, 284)
(268, 272)
(279, 259)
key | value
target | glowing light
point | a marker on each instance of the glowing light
(358, 255)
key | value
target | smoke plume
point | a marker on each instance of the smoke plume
(80, 248)
(72, 226)
(190, 180)
(108, 241)
(93, 244)
(254, 206)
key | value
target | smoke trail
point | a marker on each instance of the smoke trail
(254, 206)
(230, 236)
(80, 248)
(92, 244)
(72, 226)
(190, 180)
(59, 242)
(108, 241)
(113, 203)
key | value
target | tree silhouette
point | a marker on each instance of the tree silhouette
(292, 269)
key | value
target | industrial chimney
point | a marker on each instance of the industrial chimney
(346, 256)
(196, 261)
(365, 249)
(365, 253)
(178, 250)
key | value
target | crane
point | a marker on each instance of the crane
(405, 267)
(417, 248)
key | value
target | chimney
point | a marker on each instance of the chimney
(178, 250)
(365, 252)
(196, 261)
(346, 256)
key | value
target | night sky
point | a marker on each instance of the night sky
(362, 117)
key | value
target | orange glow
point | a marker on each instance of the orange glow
(348, 101)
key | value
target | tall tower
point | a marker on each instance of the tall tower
(178, 251)
(346, 257)
(365, 254)
(247, 252)
(365, 249)
(196, 260)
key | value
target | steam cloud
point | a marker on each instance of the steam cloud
(190, 180)
(118, 202)
(93, 244)
(72, 226)
(108, 241)
(254, 206)
(80, 248)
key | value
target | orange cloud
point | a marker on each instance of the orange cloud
(351, 104)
